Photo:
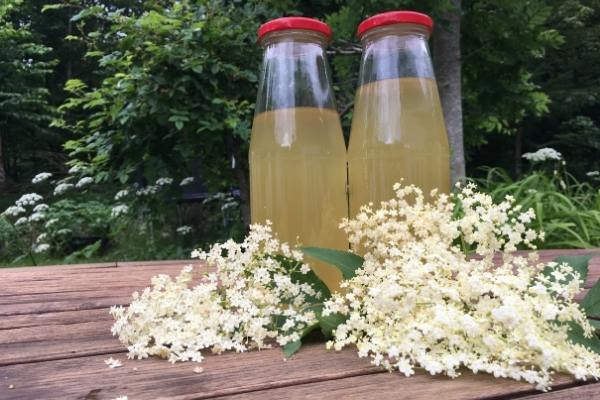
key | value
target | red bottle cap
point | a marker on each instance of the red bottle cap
(281, 24)
(395, 17)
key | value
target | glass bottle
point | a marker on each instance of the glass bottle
(398, 131)
(297, 151)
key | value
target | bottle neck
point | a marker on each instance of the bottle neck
(395, 51)
(294, 71)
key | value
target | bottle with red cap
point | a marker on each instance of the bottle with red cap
(398, 132)
(297, 151)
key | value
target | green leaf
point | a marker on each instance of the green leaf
(291, 348)
(345, 261)
(578, 263)
(330, 322)
(576, 336)
(591, 301)
(595, 323)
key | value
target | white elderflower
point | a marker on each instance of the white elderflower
(592, 174)
(121, 193)
(544, 154)
(250, 301)
(75, 169)
(113, 362)
(62, 188)
(41, 177)
(184, 230)
(41, 208)
(186, 181)
(40, 248)
(420, 301)
(119, 210)
(86, 180)
(21, 221)
(41, 237)
(50, 222)
(28, 199)
(164, 181)
(13, 211)
(37, 217)
(148, 190)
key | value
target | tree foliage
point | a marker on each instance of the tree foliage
(24, 109)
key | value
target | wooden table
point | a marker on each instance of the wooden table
(55, 336)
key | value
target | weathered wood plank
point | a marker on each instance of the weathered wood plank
(309, 374)
(89, 336)
(585, 392)
(58, 318)
(395, 386)
(89, 377)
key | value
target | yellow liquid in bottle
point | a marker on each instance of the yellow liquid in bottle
(298, 179)
(398, 132)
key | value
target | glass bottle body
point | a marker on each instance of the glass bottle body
(297, 152)
(398, 132)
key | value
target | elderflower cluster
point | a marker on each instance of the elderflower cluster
(118, 210)
(121, 193)
(28, 199)
(14, 211)
(164, 181)
(86, 180)
(544, 154)
(62, 188)
(186, 181)
(184, 230)
(419, 301)
(252, 299)
(148, 190)
(41, 177)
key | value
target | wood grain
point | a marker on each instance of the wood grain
(395, 386)
(55, 334)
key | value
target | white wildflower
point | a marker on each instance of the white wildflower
(121, 193)
(184, 230)
(113, 363)
(28, 199)
(186, 181)
(593, 173)
(41, 237)
(63, 232)
(235, 308)
(419, 301)
(544, 154)
(119, 210)
(40, 248)
(37, 217)
(164, 181)
(41, 208)
(14, 211)
(41, 177)
(148, 190)
(86, 180)
(75, 169)
(21, 221)
(62, 188)
(50, 222)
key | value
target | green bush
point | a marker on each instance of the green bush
(567, 210)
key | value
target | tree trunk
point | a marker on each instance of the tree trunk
(2, 170)
(447, 63)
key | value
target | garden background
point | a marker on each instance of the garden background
(131, 119)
